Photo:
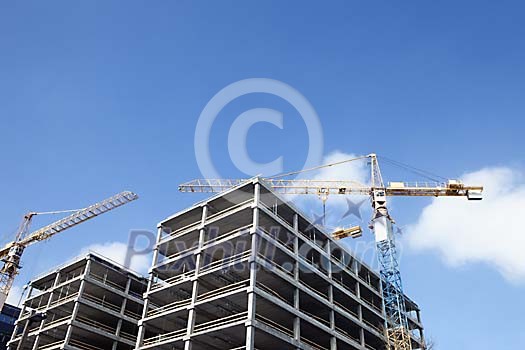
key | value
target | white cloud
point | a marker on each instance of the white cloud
(490, 231)
(117, 251)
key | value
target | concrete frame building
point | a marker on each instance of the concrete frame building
(91, 303)
(246, 270)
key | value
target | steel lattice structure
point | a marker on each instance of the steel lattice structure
(393, 296)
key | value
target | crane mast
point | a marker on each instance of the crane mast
(397, 329)
(391, 284)
(11, 253)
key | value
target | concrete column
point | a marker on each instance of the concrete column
(359, 307)
(252, 298)
(360, 313)
(24, 307)
(191, 324)
(250, 329)
(77, 305)
(296, 232)
(191, 314)
(332, 314)
(421, 335)
(202, 232)
(333, 339)
(255, 221)
(296, 239)
(254, 250)
(51, 295)
(333, 343)
(328, 260)
(195, 290)
(125, 301)
(257, 194)
(29, 294)
(151, 280)
(297, 319)
(383, 310)
(156, 249)
(122, 309)
(87, 270)
(204, 215)
(331, 287)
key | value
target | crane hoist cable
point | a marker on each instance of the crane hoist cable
(318, 167)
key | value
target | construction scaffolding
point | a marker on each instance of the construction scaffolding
(247, 270)
(90, 303)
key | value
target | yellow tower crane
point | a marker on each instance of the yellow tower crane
(398, 333)
(11, 253)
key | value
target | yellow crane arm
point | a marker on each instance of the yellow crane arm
(341, 187)
(72, 220)
(11, 253)
(79, 217)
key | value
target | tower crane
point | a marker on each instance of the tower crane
(397, 332)
(11, 253)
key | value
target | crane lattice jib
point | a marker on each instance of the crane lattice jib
(79, 217)
(11, 253)
(425, 189)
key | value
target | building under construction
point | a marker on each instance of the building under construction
(247, 270)
(242, 270)
(90, 304)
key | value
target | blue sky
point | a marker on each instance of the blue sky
(98, 96)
